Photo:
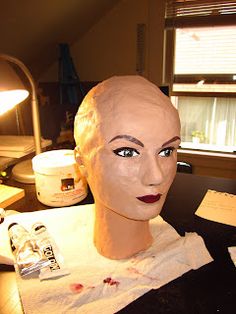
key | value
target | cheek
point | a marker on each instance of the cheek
(169, 166)
(111, 175)
(120, 173)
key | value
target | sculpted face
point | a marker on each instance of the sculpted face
(129, 147)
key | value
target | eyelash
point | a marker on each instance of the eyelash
(122, 151)
(168, 150)
(128, 152)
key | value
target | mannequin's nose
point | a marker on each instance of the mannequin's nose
(152, 173)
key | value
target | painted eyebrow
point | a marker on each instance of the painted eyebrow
(173, 139)
(129, 138)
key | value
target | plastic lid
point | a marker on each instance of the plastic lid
(54, 161)
(12, 224)
(38, 226)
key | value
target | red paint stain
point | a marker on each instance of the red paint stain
(111, 281)
(76, 287)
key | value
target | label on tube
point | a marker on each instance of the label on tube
(48, 246)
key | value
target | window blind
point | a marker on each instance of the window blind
(193, 13)
(207, 50)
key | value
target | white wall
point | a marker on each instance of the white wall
(109, 47)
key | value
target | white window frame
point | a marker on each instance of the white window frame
(177, 20)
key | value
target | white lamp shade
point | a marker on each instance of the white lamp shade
(9, 99)
(12, 91)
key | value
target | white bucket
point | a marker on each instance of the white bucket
(58, 181)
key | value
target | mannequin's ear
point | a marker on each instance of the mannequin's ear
(79, 161)
(77, 155)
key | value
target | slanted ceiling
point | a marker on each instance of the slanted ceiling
(31, 30)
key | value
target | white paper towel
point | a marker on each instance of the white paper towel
(98, 284)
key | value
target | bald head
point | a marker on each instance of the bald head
(114, 97)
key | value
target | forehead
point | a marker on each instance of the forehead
(139, 119)
(129, 105)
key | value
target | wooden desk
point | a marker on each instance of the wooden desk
(210, 289)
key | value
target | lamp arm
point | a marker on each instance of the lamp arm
(34, 101)
(36, 122)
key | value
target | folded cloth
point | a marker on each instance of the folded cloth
(95, 283)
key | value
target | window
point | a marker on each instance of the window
(203, 71)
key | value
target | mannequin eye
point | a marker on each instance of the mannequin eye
(166, 152)
(126, 152)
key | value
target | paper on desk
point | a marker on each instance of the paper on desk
(219, 207)
(232, 252)
(97, 284)
(17, 146)
(9, 195)
(6, 162)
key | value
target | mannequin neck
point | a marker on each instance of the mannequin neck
(118, 237)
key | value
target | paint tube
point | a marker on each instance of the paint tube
(27, 254)
(51, 251)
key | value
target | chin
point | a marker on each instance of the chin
(152, 215)
(143, 214)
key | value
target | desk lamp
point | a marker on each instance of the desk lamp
(12, 92)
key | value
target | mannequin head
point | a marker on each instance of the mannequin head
(127, 134)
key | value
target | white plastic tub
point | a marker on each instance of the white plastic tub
(58, 181)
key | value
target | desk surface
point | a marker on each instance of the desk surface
(210, 289)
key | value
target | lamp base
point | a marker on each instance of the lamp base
(23, 172)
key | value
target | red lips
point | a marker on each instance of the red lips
(149, 198)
